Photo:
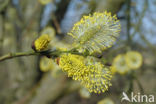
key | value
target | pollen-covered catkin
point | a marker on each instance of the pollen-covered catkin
(93, 75)
(73, 65)
(95, 33)
(98, 78)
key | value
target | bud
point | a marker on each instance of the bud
(41, 43)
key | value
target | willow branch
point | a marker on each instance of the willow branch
(18, 54)
(54, 53)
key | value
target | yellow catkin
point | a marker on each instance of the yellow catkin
(46, 64)
(44, 2)
(42, 42)
(134, 59)
(93, 75)
(73, 65)
(84, 93)
(95, 33)
(119, 64)
(49, 31)
(106, 101)
(113, 70)
(98, 78)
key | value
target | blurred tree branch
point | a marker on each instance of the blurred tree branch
(128, 21)
(3, 4)
(141, 16)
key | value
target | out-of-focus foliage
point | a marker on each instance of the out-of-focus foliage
(84, 93)
(106, 101)
(123, 63)
(119, 64)
(44, 2)
(46, 64)
(133, 59)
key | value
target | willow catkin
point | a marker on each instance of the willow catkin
(95, 33)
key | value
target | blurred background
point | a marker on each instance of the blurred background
(38, 80)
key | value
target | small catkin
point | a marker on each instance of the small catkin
(134, 59)
(119, 64)
(42, 42)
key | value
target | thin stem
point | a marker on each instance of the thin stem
(141, 16)
(54, 53)
(18, 54)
